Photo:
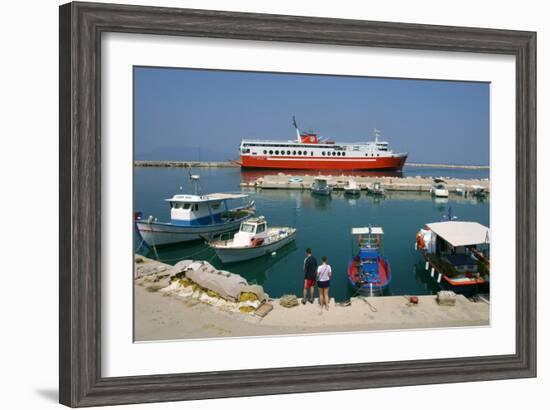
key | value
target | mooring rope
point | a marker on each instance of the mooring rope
(372, 308)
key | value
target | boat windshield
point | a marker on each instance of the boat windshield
(180, 205)
(249, 228)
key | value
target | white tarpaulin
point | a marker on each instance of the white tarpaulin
(459, 233)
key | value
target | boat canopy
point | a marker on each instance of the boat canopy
(205, 198)
(374, 230)
(459, 233)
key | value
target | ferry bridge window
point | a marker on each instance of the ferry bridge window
(305, 152)
(265, 152)
(195, 207)
(299, 152)
(343, 154)
(288, 153)
(277, 152)
(270, 152)
(333, 153)
(260, 228)
(293, 152)
(338, 153)
(323, 153)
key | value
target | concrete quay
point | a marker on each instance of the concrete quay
(338, 182)
(162, 314)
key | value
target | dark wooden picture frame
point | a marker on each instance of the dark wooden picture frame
(81, 27)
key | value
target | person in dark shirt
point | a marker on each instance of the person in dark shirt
(310, 275)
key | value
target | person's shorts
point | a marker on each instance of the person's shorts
(309, 283)
(323, 284)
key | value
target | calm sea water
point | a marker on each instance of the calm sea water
(323, 223)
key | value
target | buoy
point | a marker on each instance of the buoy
(273, 253)
(427, 265)
(439, 278)
(433, 271)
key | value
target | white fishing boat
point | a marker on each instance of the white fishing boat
(254, 239)
(376, 189)
(194, 217)
(439, 189)
(320, 186)
(351, 188)
(461, 189)
(456, 254)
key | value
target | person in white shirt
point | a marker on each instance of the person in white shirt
(324, 273)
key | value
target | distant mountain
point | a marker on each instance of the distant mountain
(183, 153)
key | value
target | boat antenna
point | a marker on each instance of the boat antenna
(296, 127)
(376, 133)
(195, 178)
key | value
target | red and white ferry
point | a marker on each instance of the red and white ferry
(308, 151)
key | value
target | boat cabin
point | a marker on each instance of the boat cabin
(200, 209)
(252, 232)
(369, 237)
(457, 243)
(320, 182)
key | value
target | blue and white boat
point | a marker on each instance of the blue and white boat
(194, 217)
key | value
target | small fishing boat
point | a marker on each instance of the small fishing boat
(253, 240)
(351, 188)
(479, 192)
(295, 179)
(194, 217)
(369, 271)
(439, 189)
(320, 186)
(456, 255)
(461, 190)
(376, 189)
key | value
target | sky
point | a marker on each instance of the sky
(189, 114)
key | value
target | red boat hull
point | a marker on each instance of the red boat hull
(387, 163)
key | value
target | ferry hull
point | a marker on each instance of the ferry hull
(394, 163)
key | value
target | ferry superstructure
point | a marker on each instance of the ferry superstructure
(308, 151)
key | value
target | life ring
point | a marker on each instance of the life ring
(420, 241)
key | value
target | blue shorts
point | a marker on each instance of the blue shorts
(323, 284)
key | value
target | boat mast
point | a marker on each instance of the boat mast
(376, 135)
(195, 178)
(298, 139)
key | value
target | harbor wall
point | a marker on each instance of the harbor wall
(338, 182)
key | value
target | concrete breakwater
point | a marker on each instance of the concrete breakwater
(410, 184)
(447, 166)
(187, 164)
(167, 306)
